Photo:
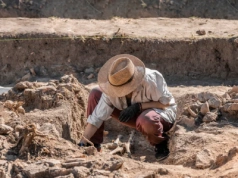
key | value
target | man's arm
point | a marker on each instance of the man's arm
(88, 132)
(153, 104)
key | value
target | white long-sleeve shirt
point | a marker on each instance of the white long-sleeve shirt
(152, 88)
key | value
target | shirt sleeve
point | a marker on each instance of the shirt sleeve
(101, 112)
(157, 89)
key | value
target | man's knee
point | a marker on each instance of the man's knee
(143, 121)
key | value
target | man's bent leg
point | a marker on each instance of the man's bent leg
(93, 100)
(153, 126)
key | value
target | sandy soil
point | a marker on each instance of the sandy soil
(162, 28)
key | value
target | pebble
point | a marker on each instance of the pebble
(90, 76)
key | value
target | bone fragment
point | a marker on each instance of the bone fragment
(130, 143)
(59, 172)
(191, 112)
(74, 160)
(205, 108)
(21, 110)
(118, 150)
(71, 164)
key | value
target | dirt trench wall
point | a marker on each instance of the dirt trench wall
(177, 60)
(106, 9)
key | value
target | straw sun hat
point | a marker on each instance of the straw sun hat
(121, 75)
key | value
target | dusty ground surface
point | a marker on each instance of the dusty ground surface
(49, 48)
(106, 9)
(57, 111)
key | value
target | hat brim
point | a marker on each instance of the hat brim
(120, 91)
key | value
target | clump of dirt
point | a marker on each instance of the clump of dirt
(60, 102)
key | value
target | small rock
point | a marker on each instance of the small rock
(163, 171)
(209, 117)
(81, 172)
(114, 163)
(90, 76)
(91, 150)
(201, 32)
(203, 159)
(214, 102)
(101, 172)
(142, 158)
(21, 86)
(33, 73)
(34, 170)
(89, 70)
(57, 171)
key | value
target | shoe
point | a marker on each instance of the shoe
(98, 147)
(161, 151)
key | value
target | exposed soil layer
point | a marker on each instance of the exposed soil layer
(107, 9)
(196, 150)
(62, 47)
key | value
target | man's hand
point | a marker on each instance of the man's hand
(130, 112)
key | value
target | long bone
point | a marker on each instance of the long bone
(130, 143)
(119, 149)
